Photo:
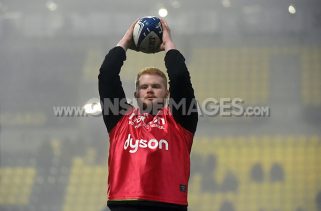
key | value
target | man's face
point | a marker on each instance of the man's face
(151, 92)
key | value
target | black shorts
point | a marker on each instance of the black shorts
(143, 208)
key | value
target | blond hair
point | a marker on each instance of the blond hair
(151, 71)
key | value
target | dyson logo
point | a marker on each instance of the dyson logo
(134, 145)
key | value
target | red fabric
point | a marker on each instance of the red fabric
(149, 158)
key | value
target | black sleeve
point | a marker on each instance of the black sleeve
(182, 100)
(112, 95)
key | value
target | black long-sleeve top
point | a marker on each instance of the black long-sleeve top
(180, 88)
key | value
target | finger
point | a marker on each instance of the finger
(164, 23)
(133, 24)
(162, 47)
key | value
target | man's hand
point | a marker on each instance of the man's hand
(167, 43)
(127, 41)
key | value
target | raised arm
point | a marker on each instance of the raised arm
(111, 92)
(180, 86)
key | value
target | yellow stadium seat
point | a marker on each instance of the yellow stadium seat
(16, 184)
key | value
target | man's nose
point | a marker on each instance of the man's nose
(149, 89)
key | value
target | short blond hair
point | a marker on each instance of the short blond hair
(151, 71)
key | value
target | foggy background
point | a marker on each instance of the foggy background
(266, 52)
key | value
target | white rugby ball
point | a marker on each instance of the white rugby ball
(147, 34)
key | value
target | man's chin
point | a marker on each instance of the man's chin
(151, 107)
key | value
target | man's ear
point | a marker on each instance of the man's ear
(135, 94)
(167, 93)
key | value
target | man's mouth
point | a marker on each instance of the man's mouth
(150, 97)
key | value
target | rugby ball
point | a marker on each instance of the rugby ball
(147, 34)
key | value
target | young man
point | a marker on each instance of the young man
(149, 153)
